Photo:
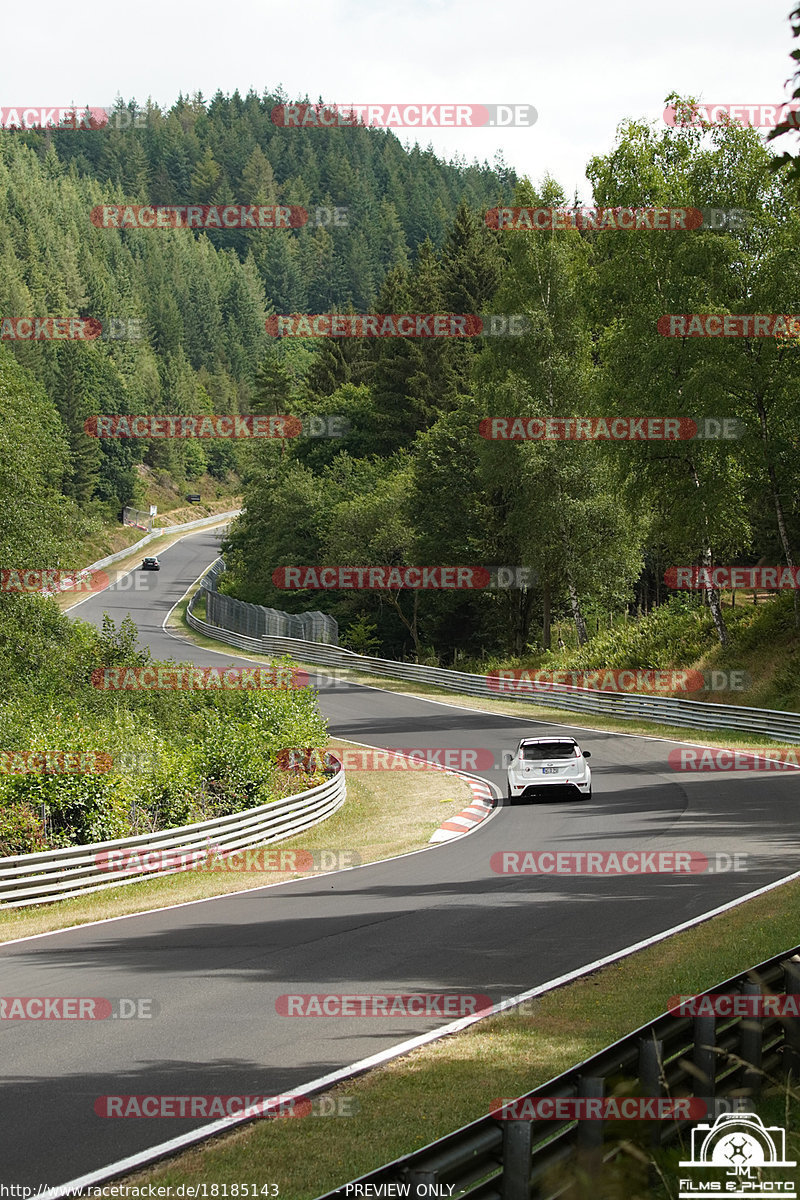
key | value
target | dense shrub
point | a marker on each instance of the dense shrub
(20, 830)
(129, 761)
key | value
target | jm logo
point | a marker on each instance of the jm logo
(741, 1146)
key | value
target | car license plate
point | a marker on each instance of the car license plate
(550, 770)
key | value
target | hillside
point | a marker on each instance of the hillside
(183, 312)
(760, 667)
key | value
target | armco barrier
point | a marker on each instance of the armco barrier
(58, 874)
(145, 541)
(712, 1058)
(664, 710)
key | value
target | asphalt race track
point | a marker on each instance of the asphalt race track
(439, 920)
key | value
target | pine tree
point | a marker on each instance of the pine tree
(206, 178)
(258, 180)
(471, 266)
(273, 392)
(72, 395)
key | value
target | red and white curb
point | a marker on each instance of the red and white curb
(465, 821)
(468, 818)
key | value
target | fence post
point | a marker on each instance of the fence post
(589, 1136)
(419, 1177)
(751, 1030)
(651, 1057)
(705, 1058)
(517, 1140)
(791, 1025)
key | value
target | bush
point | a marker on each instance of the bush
(361, 636)
(20, 830)
(79, 808)
(154, 759)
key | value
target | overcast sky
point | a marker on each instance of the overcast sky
(584, 67)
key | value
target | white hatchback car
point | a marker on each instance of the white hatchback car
(549, 764)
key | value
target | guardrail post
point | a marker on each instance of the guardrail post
(516, 1178)
(751, 1042)
(651, 1057)
(422, 1178)
(705, 1059)
(791, 1025)
(589, 1137)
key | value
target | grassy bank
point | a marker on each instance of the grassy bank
(759, 667)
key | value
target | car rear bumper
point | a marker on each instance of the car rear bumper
(562, 788)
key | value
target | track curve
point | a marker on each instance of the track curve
(436, 920)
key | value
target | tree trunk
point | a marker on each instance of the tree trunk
(577, 614)
(515, 620)
(411, 625)
(712, 599)
(521, 607)
(527, 616)
(545, 614)
(711, 593)
(776, 499)
(414, 629)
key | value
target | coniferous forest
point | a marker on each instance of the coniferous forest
(412, 482)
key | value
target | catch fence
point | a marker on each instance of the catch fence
(626, 706)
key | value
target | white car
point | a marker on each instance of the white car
(549, 764)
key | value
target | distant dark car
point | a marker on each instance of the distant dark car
(151, 564)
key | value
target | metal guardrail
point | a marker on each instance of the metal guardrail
(707, 1057)
(83, 572)
(77, 870)
(157, 533)
(130, 517)
(664, 710)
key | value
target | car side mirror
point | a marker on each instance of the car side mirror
(587, 754)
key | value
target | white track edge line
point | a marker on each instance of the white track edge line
(146, 912)
(167, 1148)
(125, 574)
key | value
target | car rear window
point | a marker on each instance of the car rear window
(549, 750)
